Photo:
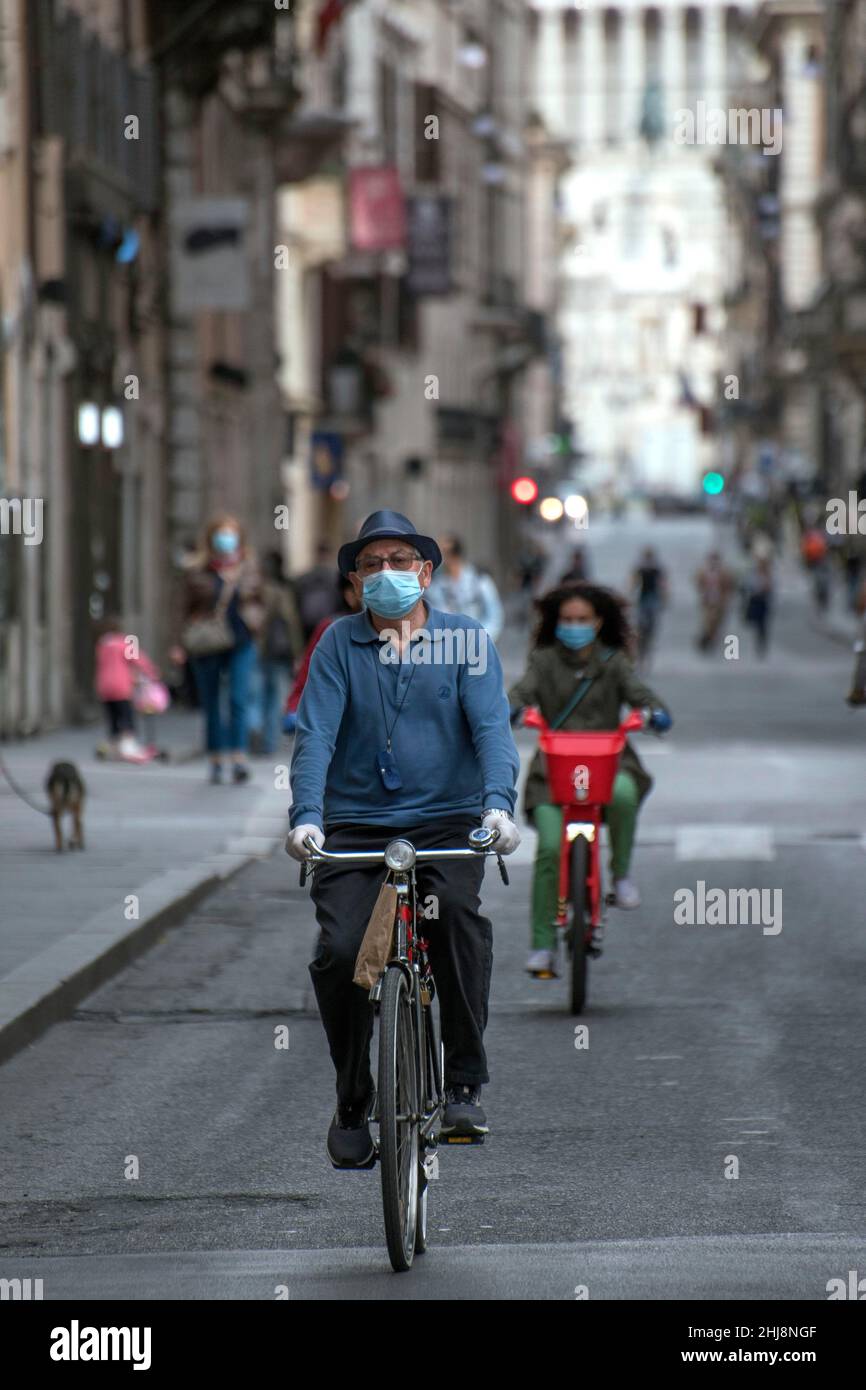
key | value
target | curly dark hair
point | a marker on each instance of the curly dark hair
(611, 607)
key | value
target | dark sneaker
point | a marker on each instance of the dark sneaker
(350, 1144)
(463, 1113)
(240, 773)
(216, 774)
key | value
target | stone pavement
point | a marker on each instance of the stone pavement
(157, 837)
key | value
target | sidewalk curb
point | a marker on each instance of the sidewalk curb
(45, 990)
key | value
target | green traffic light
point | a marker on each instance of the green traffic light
(714, 483)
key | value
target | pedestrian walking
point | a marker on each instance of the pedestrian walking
(223, 610)
(349, 603)
(461, 587)
(579, 568)
(279, 645)
(758, 601)
(715, 585)
(815, 554)
(317, 590)
(857, 693)
(649, 585)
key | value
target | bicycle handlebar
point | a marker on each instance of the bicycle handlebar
(483, 847)
(377, 856)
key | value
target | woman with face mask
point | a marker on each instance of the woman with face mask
(582, 636)
(223, 611)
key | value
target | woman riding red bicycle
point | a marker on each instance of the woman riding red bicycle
(579, 676)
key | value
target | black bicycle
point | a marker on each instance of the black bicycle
(409, 1101)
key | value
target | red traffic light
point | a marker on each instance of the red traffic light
(524, 490)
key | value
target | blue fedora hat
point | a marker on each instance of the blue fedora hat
(387, 525)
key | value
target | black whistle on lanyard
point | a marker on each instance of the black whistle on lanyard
(388, 770)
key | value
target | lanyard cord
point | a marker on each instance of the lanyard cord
(389, 732)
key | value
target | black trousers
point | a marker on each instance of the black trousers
(460, 941)
(121, 717)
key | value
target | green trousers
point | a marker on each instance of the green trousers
(621, 818)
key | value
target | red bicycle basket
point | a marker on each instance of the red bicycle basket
(582, 767)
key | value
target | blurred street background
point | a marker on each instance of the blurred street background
(561, 281)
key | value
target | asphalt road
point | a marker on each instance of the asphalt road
(605, 1172)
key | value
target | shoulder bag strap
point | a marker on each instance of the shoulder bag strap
(577, 696)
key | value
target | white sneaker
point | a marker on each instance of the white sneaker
(541, 963)
(131, 751)
(627, 895)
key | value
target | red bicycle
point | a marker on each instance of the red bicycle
(581, 771)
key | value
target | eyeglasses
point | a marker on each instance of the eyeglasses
(400, 560)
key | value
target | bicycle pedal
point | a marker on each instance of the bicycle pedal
(461, 1138)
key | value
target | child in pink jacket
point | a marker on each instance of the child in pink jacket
(117, 672)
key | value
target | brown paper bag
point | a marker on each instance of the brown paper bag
(375, 949)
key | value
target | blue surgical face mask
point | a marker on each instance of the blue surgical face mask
(575, 635)
(392, 593)
(225, 542)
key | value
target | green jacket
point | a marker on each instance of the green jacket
(551, 678)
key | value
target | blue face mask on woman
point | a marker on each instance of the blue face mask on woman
(224, 542)
(575, 635)
(392, 593)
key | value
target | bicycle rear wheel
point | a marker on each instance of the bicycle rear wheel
(579, 923)
(398, 1123)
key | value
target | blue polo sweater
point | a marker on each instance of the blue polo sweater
(452, 741)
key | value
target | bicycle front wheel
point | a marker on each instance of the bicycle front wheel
(432, 1092)
(579, 922)
(398, 1118)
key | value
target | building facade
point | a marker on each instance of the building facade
(413, 275)
(81, 391)
(642, 94)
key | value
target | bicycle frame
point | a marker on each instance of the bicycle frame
(410, 955)
(410, 949)
(587, 821)
(581, 818)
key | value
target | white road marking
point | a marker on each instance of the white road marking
(725, 842)
(743, 1119)
(662, 1057)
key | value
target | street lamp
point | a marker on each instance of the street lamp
(112, 427)
(88, 424)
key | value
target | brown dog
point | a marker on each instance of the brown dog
(66, 792)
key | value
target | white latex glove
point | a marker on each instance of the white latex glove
(295, 841)
(509, 835)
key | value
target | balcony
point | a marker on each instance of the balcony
(86, 93)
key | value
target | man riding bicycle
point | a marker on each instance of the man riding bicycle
(403, 728)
